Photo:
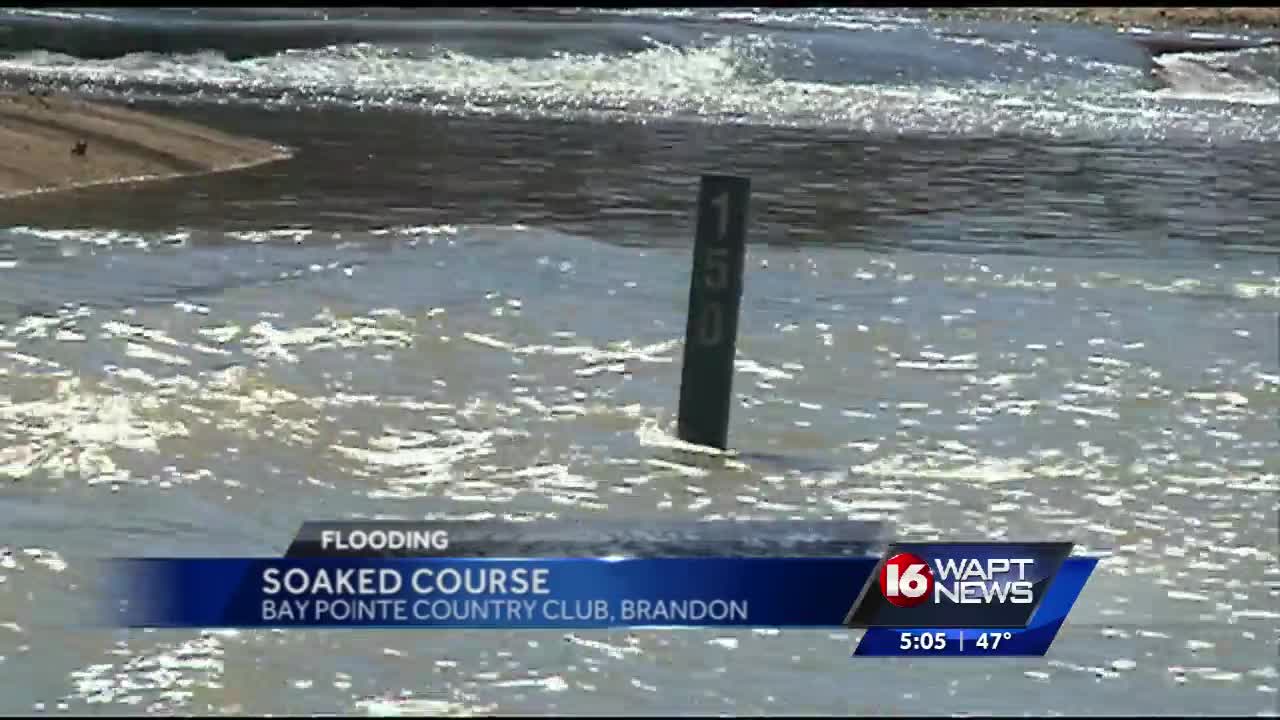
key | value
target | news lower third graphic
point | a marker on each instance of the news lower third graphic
(916, 599)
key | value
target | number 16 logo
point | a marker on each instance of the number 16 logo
(906, 580)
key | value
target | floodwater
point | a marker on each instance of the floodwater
(1000, 286)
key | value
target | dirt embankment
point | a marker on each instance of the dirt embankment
(55, 143)
(1162, 18)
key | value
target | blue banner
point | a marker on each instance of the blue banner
(486, 593)
(587, 593)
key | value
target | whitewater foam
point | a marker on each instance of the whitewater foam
(733, 79)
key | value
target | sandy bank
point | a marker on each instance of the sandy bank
(1166, 18)
(39, 138)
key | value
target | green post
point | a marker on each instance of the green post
(715, 296)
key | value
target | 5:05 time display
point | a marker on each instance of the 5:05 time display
(922, 641)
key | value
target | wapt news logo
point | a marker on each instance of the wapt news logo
(968, 585)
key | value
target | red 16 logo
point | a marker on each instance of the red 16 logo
(906, 580)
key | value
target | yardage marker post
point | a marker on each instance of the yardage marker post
(715, 297)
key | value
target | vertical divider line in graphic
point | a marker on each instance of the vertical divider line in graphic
(715, 298)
